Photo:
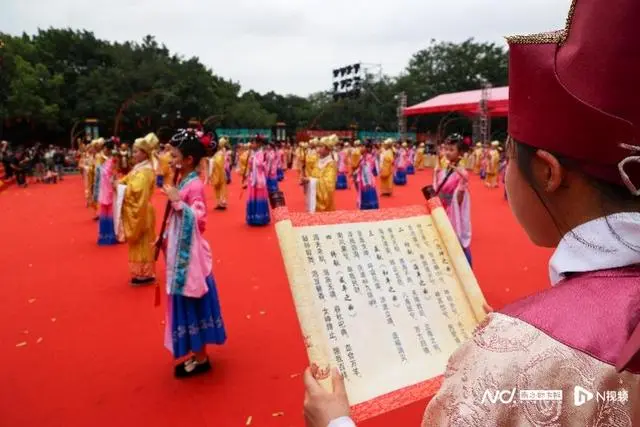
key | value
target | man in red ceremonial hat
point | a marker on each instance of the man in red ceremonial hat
(573, 183)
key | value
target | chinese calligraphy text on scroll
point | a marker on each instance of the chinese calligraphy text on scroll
(390, 303)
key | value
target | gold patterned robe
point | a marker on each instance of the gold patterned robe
(386, 172)
(507, 353)
(138, 219)
(325, 174)
(219, 177)
(419, 162)
(311, 160)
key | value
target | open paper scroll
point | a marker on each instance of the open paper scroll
(385, 295)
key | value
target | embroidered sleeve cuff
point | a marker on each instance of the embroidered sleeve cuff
(342, 422)
(177, 206)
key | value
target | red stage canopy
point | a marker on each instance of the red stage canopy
(463, 102)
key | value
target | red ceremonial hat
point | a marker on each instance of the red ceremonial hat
(574, 92)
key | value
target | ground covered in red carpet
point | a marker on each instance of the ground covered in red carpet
(80, 347)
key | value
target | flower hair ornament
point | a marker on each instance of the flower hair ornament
(629, 159)
(189, 134)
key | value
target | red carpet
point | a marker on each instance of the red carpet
(94, 355)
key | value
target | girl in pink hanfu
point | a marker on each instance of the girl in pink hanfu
(400, 174)
(343, 170)
(365, 181)
(282, 162)
(411, 159)
(193, 316)
(454, 193)
(272, 169)
(258, 200)
(574, 189)
(106, 228)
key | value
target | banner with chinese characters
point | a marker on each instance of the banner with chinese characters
(386, 296)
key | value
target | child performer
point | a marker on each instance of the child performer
(356, 154)
(243, 159)
(574, 189)
(411, 158)
(272, 168)
(322, 183)
(364, 179)
(452, 187)
(106, 230)
(400, 174)
(163, 158)
(98, 160)
(89, 173)
(477, 158)
(193, 316)
(493, 166)
(386, 168)
(311, 157)
(218, 175)
(419, 160)
(256, 181)
(343, 169)
(138, 215)
(282, 161)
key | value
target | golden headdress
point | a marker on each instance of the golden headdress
(478, 144)
(327, 141)
(147, 144)
(405, 145)
(224, 142)
(388, 142)
(357, 142)
(495, 143)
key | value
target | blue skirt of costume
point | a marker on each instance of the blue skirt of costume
(280, 174)
(258, 209)
(196, 322)
(341, 181)
(374, 170)
(400, 177)
(483, 174)
(272, 185)
(106, 228)
(368, 199)
(227, 174)
(159, 181)
(411, 170)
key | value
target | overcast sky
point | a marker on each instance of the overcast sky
(290, 46)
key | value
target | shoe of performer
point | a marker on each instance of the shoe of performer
(142, 281)
(192, 367)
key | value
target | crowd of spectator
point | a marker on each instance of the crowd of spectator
(41, 163)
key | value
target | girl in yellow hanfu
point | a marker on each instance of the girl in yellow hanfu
(386, 168)
(477, 158)
(218, 175)
(138, 215)
(322, 181)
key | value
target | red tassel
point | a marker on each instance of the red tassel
(156, 302)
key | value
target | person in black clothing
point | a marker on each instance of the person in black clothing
(58, 162)
(19, 164)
